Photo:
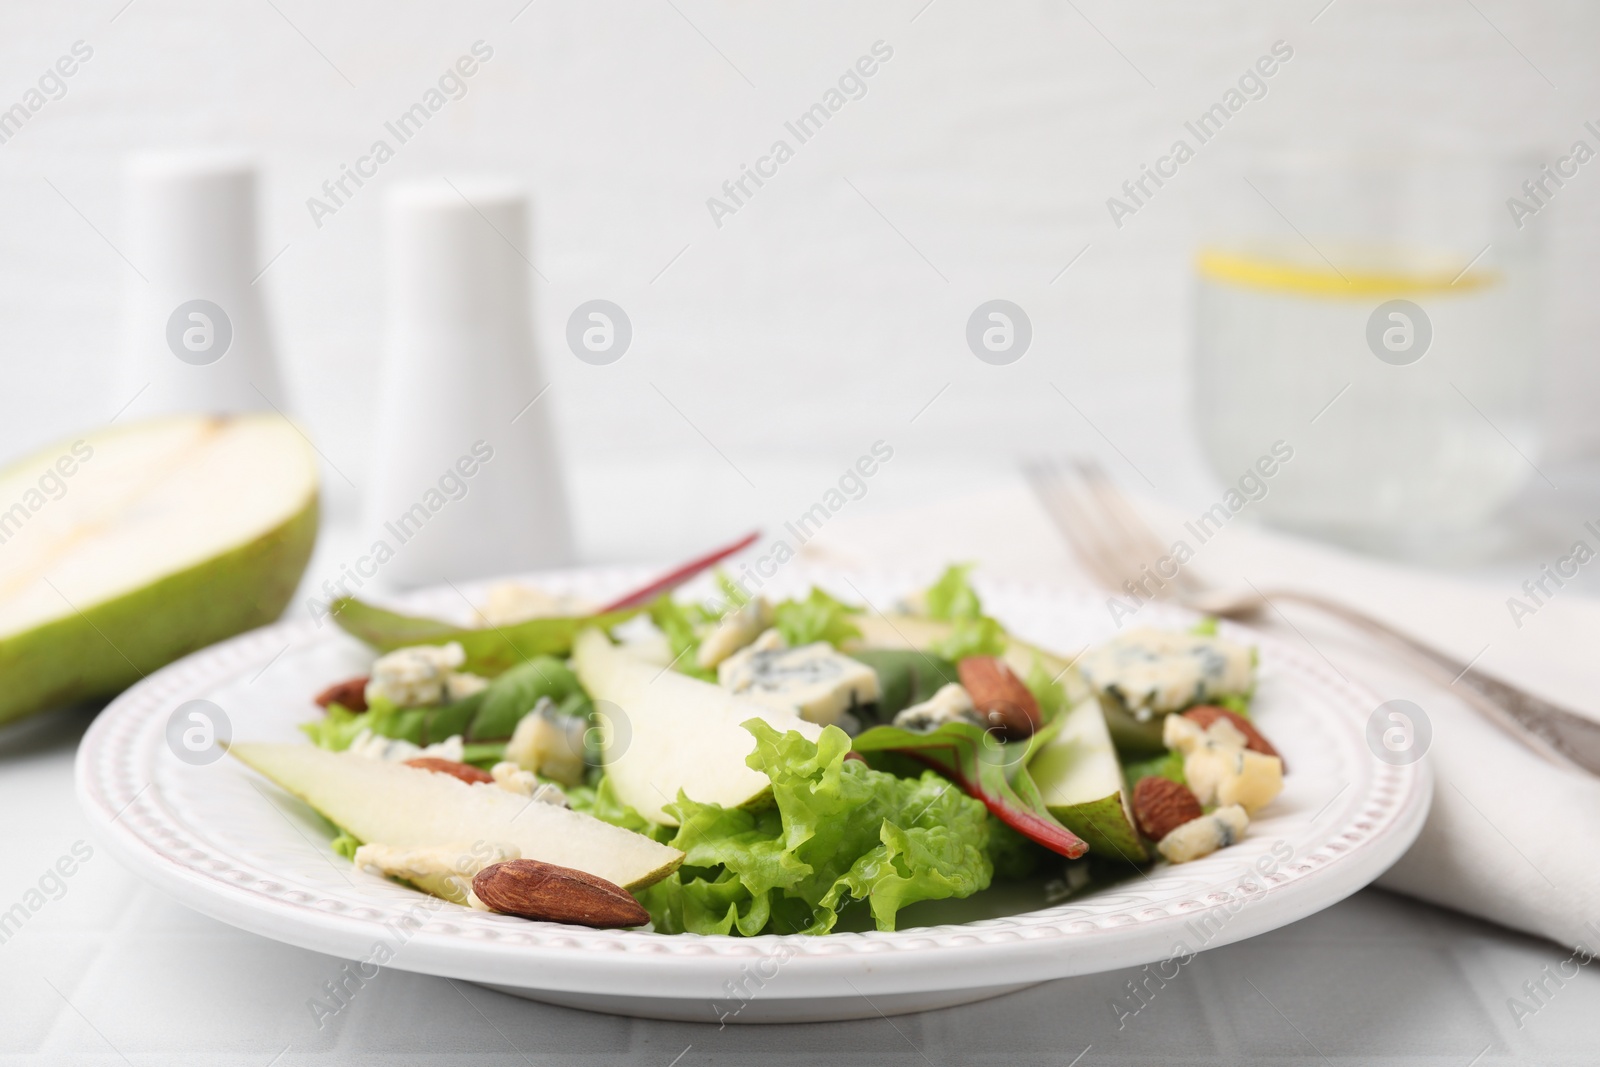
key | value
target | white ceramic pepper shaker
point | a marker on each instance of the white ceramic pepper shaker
(198, 339)
(466, 481)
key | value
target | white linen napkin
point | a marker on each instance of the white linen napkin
(1510, 838)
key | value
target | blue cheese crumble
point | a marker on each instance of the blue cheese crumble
(1152, 672)
(814, 680)
(422, 675)
(951, 703)
(1203, 836)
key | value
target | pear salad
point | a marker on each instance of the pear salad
(802, 766)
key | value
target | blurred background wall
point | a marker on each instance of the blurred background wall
(830, 309)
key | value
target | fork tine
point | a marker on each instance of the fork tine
(1109, 538)
(1118, 557)
(1136, 534)
(1060, 493)
(1121, 511)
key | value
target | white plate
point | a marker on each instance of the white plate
(224, 842)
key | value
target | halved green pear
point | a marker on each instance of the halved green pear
(1080, 778)
(132, 546)
(393, 804)
(665, 732)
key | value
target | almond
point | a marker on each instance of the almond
(1206, 714)
(1000, 696)
(350, 695)
(1161, 805)
(536, 890)
(464, 771)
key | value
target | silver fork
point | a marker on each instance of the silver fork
(1118, 548)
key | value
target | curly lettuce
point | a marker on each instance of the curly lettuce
(837, 833)
(952, 596)
(683, 625)
(971, 637)
(972, 633)
(819, 617)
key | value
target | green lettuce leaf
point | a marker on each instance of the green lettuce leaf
(952, 596)
(337, 728)
(819, 617)
(483, 754)
(1013, 855)
(972, 633)
(971, 637)
(421, 726)
(489, 650)
(1238, 703)
(924, 863)
(345, 844)
(837, 832)
(735, 597)
(683, 625)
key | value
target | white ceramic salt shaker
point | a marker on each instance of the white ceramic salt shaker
(466, 479)
(198, 338)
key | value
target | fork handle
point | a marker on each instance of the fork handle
(1563, 737)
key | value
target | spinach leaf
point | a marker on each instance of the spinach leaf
(905, 677)
(993, 771)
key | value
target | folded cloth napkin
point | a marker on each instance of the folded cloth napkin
(1510, 838)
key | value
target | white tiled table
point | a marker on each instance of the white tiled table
(113, 972)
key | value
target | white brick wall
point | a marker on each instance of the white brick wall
(805, 326)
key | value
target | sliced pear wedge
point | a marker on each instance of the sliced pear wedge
(666, 731)
(408, 807)
(1080, 779)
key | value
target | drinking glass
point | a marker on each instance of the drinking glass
(1387, 338)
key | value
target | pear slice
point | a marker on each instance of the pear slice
(1080, 779)
(407, 807)
(132, 546)
(665, 732)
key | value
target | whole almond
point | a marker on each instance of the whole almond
(1161, 805)
(464, 771)
(1206, 714)
(350, 694)
(533, 889)
(1000, 696)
